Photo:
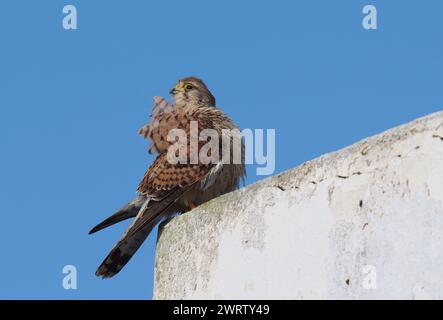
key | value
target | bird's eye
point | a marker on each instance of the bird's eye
(189, 87)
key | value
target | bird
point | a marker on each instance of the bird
(169, 188)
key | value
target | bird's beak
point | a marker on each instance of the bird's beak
(177, 89)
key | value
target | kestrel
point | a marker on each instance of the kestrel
(167, 188)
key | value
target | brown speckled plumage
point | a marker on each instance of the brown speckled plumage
(170, 188)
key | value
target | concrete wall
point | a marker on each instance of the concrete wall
(361, 223)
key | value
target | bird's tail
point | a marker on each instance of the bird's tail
(150, 213)
(124, 250)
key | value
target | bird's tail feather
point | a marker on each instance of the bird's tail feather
(138, 231)
(124, 250)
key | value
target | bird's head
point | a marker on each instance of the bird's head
(193, 90)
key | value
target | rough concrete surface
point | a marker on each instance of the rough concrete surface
(364, 222)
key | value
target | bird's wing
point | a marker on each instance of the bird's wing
(130, 210)
(163, 178)
(164, 117)
(163, 184)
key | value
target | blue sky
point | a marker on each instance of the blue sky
(71, 102)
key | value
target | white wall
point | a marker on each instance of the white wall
(370, 212)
